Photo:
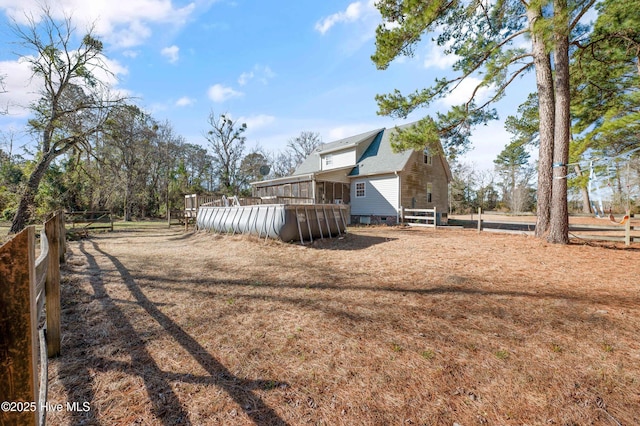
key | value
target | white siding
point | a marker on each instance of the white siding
(381, 196)
(338, 159)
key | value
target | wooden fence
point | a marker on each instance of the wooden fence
(627, 232)
(84, 221)
(27, 286)
(419, 217)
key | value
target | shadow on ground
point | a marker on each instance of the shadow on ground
(77, 377)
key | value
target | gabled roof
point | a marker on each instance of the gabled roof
(379, 158)
(312, 163)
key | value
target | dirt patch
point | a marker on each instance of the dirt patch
(383, 326)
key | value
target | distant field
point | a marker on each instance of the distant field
(383, 326)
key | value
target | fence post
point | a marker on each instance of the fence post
(52, 287)
(402, 215)
(627, 231)
(18, 327)
(479, 219)
(62, 236)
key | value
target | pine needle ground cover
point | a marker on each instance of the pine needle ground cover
(383, 326)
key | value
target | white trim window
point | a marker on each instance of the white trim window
(429, 192)
(328, 160)
(428, 159)
(361, 189)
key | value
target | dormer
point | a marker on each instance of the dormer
(337, 159)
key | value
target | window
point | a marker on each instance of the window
(427, 157)
(328, 160)
(360, 189)
(429, 192)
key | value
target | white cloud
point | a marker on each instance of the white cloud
(257, 121)
(487, 141)
(22, 89)
(110, 71)
(463, 92)
(354, 12)
(124, 23)
(172, 53)
(436, 58)
(219, 93)
(185, 101)
(267, 73)
(245, 77)
(263, 73)
(341, 132)
(130, 54)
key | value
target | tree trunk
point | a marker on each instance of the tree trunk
(27, 199)
(559, 230)
(127, 203)
(546, 108)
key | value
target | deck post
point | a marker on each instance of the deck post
(62, 237)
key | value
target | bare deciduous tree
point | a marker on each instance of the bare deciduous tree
(72, 106)
(302, 145)
(227, 143)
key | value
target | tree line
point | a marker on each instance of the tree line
(96, 150)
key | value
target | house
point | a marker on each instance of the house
(363, 172)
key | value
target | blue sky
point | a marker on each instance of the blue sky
(281, 67)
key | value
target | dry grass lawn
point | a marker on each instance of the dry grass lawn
(385, 326)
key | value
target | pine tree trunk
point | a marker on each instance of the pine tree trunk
(559, 230)
(546, 108)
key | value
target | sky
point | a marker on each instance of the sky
(282, 67)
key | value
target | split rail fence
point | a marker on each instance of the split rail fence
(627, 232)
(29, 320)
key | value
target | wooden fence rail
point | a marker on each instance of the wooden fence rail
(29, 289)
(627, 232)
(419, 217)
(85, 221)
